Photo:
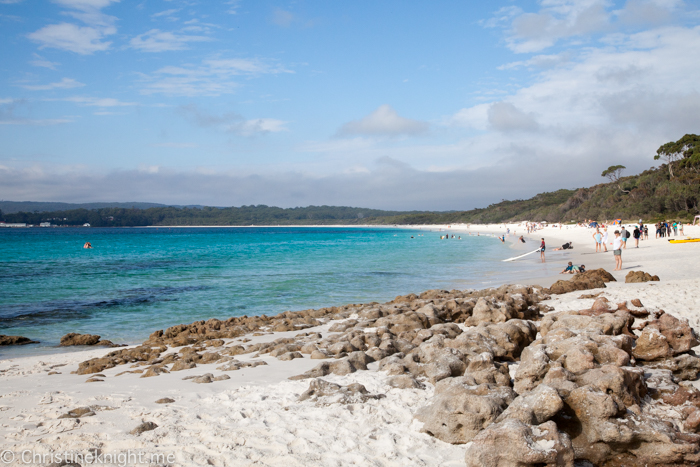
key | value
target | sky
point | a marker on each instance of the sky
(444, 105)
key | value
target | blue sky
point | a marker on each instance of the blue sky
(393, 104)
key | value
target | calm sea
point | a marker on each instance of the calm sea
(138, 280)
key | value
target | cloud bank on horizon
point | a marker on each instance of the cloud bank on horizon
(384, 105)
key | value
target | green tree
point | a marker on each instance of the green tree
(613, 173)
(686, 150)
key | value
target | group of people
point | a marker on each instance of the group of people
(571, 269)
(663, 229)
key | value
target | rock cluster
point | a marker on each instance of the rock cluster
(517, 384)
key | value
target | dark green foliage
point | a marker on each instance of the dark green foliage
(686, 150)
(245, 215)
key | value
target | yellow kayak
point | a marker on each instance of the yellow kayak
(687, 240)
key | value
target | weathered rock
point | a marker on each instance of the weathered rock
(535, 407)
(334, 393)
(290, 356)
(404, 382)
(593, 279)
(512, 443)
(652, 345)
(79, 339)
(154, 371)
(678, 333)
(456, 412)
(15, 340)
(640, 276)
(685, 367)
(183, 365)
(165, 400)
(236, 365)
(79, 412)
(145, 426)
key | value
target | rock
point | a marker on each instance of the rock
(640, 276)
(236, 365)
(203, 379)
(165, 400)
(680, 336)
(404, 382)
(593, 279)
(535, 407)
(145, 426)
(154, 371)
(685, 367)
(94, 380)
(637, 302)
(183, 365)
(222, 378)
(652, 345)
(290, 356)
(79, 412)
(512, 443)
(318, 355)
(457, 412)
(79, 339)
(15, 340)
(353, 393)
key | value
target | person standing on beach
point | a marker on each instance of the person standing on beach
(623, 236)
(636, 234)
(605, 239)
(542, 247)
(617, 251)
(598, 237)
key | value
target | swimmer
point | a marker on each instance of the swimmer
(87, 245)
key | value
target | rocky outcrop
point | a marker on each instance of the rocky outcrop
(517, 384)
(512, 443)
(15, 340)
(593, 279)
(84, 339)
(640, 276)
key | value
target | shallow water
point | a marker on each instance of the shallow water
(137, 280)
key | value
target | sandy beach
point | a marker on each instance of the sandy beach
(254, 416)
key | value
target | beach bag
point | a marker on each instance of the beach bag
(627, 234)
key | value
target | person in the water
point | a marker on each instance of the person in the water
(87, 245)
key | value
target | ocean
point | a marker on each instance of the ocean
(137, 280)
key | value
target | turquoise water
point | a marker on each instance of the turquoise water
(137, 280)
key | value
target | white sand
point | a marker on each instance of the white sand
(254, 417)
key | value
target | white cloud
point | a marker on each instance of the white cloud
(384, 121)
(282, 17)
(613, 104)
(558, 20)
(174, 145)
(211, 78)
(84, 40)
(232, 122)
(504, 116)
(156, 40)
(66, 36)
(65, 83)
(42, 62)
(97, 101)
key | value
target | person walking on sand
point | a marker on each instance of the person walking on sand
(598, 237)
(636, 234)
(605, 240)
(617, 251)
(623, 236)
(542, 247)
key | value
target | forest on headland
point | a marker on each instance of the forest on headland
(670, 191)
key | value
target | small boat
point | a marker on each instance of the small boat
(686, 240)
